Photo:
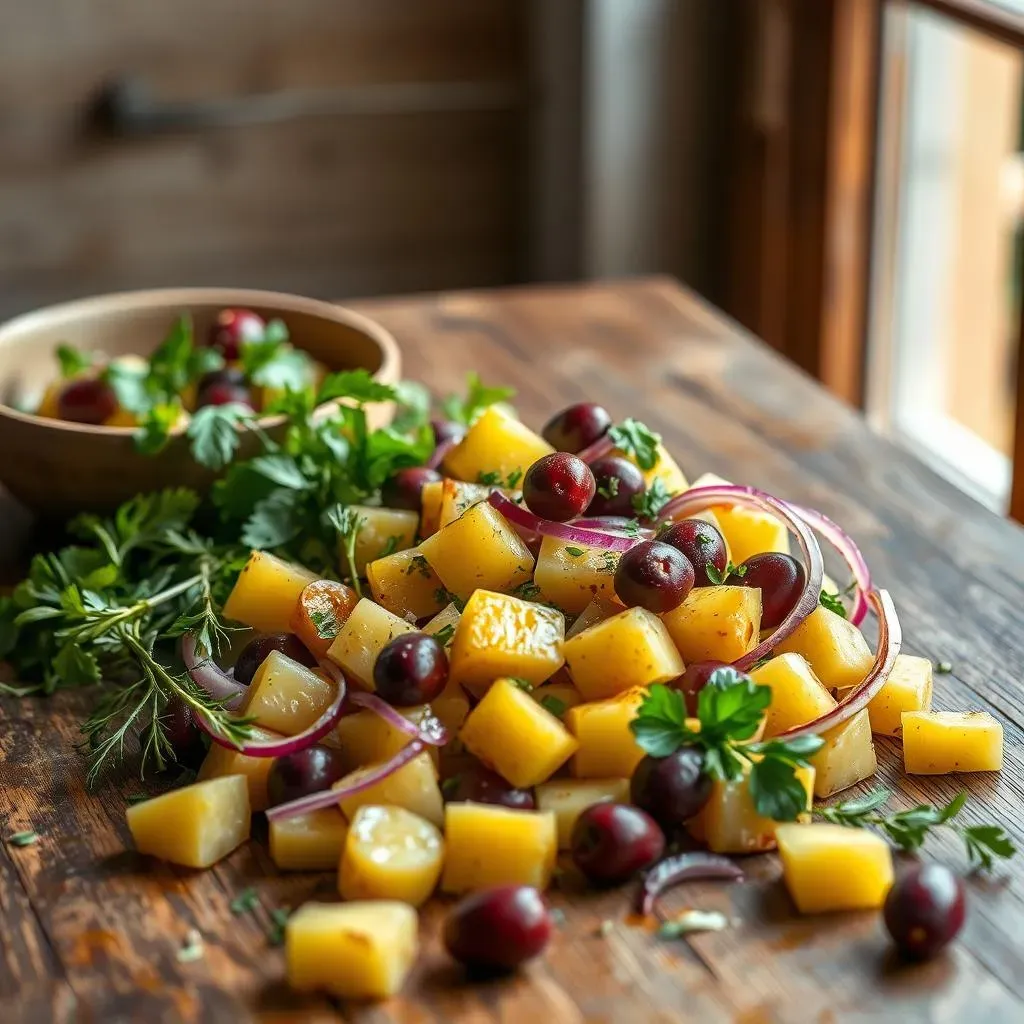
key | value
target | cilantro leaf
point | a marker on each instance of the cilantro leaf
(154, 433)
(128, 382)
(72, 361)
(832, 603)
(985, 841)
(413, 407)
(355, 384)
(553, 705)
(213, 431)
(660, 725)
(275, 520)
(638, 440)
(169, 364)
(730, 706)
(648, 504)
(776, 791)
(444, 635)
(282, 470)
(478, 397)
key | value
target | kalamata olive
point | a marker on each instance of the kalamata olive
(612, 842)
(671, 789)
(255, 652)
(575, 428)
(233, 328)
(925, 910)
(410, 669)
(306, 771)
(482, 786)
(780, 579)
(703, 544)
(558, 486)
(184, 736)
(617, 482)
(223, 387)
(88, 400)
(405, 488)
(694, 678)
(498, 929)
(654, 576)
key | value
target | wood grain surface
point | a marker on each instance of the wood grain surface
(92, 932)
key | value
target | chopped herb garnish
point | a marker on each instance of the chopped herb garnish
(609, 488)
(444, 635)
(491, 478)
(72, 361)
(552, 704)
(446, 597)
(325, 622)
(718, 577)
(513, 478)
(419, 564)
(26, 838)
(478, 397)
(245, 902)
(450, 786)
(278, 921)
(609, 563)
(637, 440)
(648, 504)
(573, 552)
(390, 547)
(192, 948)
(943, 668)
(522, 684)
(136, 798)
(528, 591)
(832, 603)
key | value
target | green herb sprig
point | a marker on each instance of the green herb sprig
(478, 397)
(637, 440)
(648, 504)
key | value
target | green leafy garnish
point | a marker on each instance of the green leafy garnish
(609, 563)
(609, 488)
(245, 902)
(718, 577)
(278, 921)
(72, 361)
(444, 635)
(943, 668)
(637, 440)
(574, 552)
(549, 702)
(271, 362)
(528, 591)
(412, 410)
(26, 838)
(652, 501)
(832, 603)
(478, 397)
(522, 684)
(213, 431)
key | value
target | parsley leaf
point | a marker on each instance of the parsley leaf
(275, 520)
(213, 431)
(609, 488)
(648, 504)
(355, 384)
(245, 902)
(985, 841)
(444, 635)
(552, 704)
(637, 440)
(72, 361)
(522, 684)
(660, 725)
(574, 552)
(128, 381)
(478, 397)
(154, 431)
(832, 603)
(278, 921)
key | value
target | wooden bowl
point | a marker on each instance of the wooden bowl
(58, 469)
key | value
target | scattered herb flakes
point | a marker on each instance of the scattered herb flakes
(690, 921)
(192, 948)
(714, 574)
(573, 552)
(528, 591)
(325, 622)
(943, 668)
(609, 488)
(609, 563)
(832, 603)
(446, 597)
(278, 920)
(491, 478)
(72, 361)
(444, 635)
(513, 478)
(136, 798)
(648, 504)
(523, 684)
(552, 704)
(245, 902)
(450, 786)
(478, 397)
(27, 838)
(390, 547)
(637, 440)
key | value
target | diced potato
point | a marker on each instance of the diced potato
(747, 532)
(831, 867)
(221, 761)
(834, 647)
(597, 611)
(571, 576)
(665, 469)
(365, 738)
(939, 742)
(729, 823)
(488, 845)
(496, 443)
(480, 550)
(390, 854)
(716, 623)
(847, 757)
(798, 696)
(438, 625)
(413, 787)
(607, 749)
(363, 636)
(430, 508)
(500, 635)
(511, 733)
(567, 799)
(405, 584)
(322, 608)
(451, 707)
(49, 404)
(266, 592)
(908, 688)
(380, 530)
(285, 696)
(308, 842)
(456, 497)
(361, 950)
(557, 697)
(630, 649)
(195, 826)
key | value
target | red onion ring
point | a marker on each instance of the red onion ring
(523, 517)
(683, 867)
(209, 676)
(890, 640)
(434, 733)
(701, 498)
(596, 449)
(439, 453)
(333, 796)
(610, 524)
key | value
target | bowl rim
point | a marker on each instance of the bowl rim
(185, 296)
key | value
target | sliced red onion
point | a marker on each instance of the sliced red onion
(611, 524)
(844, 544)
(701, 498)
(683, 867)
(332, 797)
(439, 453)
(601, 447)
(433, 733)
(890, 640)
(523, 517)
(208, 676)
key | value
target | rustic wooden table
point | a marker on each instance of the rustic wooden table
(90, 931)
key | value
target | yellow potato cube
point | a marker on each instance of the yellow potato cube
(405, 584)
(511, 733)
(567, 799)
(607, 749)
(266, 592)
(939, 742)
(363, 635)
(908, 688)
(195, 826)
(557, 697)
(480, 550)
(308, 842)
(798, 697)
(835, 648)
(285, 696)
(729, 822)
(390, 854)
(598, 610)
(365, 738)
(630, 649)
(747, 532)
(361, 950)
(438, 626)
(496, 443)
(848, 756)
(500, 635)
(413, 787)
(451, 707)
(716, 623)
(380, 530)
(831, 867)
(456, 497)
(488, 845)
(571, 576)
(430, 507)
(220, 761)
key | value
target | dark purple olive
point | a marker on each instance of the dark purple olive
(498, 929)
(925, 910)
(447, 430)
(617, 482)
(410, 669)
(232, 329)
(184, 736)
(702, 544)
(306, 771)
(612, 842)
(654, 576)
(693, 680)
(671, 789)
(559, 487)
(780, 579)
(89, 400)
(255, 652)
(482, 786)
(405, 488)
(577, 427)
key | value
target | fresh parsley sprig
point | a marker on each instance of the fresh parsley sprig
(832, 602)
(478, 397)
(908, 829)
(636, 439)
(729, 711)
(648, 504)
